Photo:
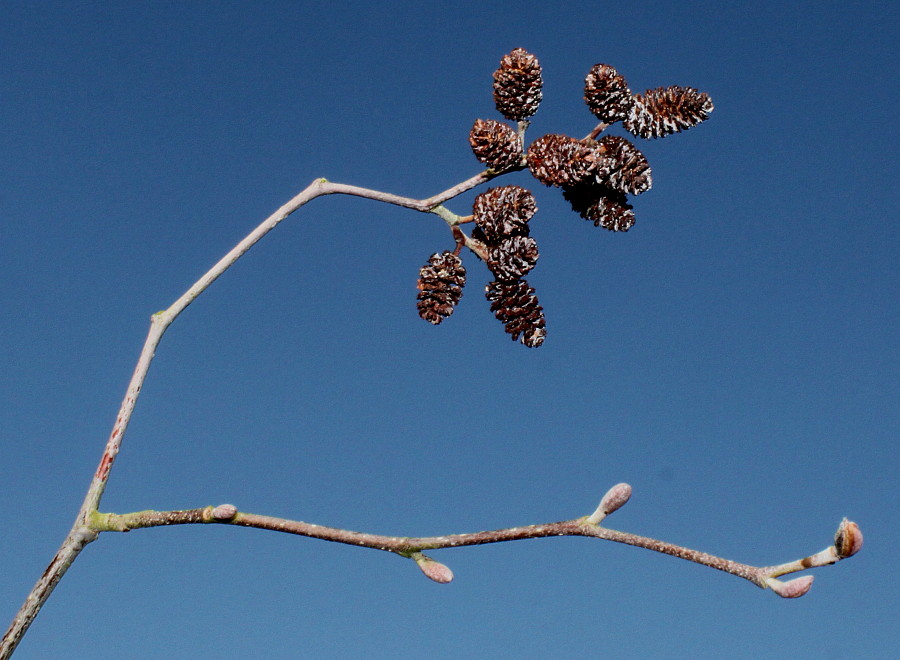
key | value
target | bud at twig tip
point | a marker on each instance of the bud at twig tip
(848, 539)
(792, 588)
(433, 570)
(224, 512)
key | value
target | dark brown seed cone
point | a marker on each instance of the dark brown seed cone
(504, 211)
(560, 160)
(440, 286)
(514, 257)
(517, 85)
(495, 144)
(666, 110)
(515, 305)
(601, 205)
(607, 94)
(550, 157)
(631, 172)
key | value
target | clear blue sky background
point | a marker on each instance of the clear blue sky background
(734, 356)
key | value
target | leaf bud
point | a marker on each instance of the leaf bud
(848, 539)
(792, 588)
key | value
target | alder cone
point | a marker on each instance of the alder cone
(550, 159)
(601, 205)
(560, 160)
(517, 85)
(666, 110)
(440, 286)
(631, 172)
(514, 257)
(495, 144)
(515, 305)
(606, 94)
(504, 211)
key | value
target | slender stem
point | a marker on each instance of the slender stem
(88, 522)
(423, 205)
(81, 532)
(598, 129)
(413, 546)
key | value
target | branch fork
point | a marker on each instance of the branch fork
(595, 177)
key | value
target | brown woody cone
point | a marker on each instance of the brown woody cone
(440, 286)
(503, 211)
(607, 94)
(666, 110)
(550, 157)
(513, 257)
(631, 172)
(515, 305)
(517, 85)
(560, 160)
(495, 144)
(601, 205)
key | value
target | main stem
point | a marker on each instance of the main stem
(82, 531)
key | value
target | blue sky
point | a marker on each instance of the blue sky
(733, 356)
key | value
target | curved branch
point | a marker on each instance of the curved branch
(848, 540)
(82, 532)
(88, 522)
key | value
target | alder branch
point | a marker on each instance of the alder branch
(596, 178)
(82, 531)
(848, 539)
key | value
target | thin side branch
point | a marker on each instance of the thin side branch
(424, 205)
(412, 547)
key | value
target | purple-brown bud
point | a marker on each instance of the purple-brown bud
(224, 512)
(792, 588)
(434, 570)
(848, 539)
(615, 498)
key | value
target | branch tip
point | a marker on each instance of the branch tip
(848, 540)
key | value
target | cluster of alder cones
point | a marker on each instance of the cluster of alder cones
(596, 176)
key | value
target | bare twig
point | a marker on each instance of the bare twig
(598, 129)
(412, 547)
(82, 531)
(88, 522)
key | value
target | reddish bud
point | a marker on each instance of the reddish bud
(224, 512)
(434, 570)
(848, 539)
(615, 498)
(792, 588)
